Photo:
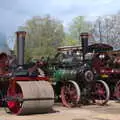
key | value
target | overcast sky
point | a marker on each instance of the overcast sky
(15, 12)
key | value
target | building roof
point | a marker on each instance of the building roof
(100, 47)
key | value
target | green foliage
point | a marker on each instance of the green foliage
(44, 35)
(69, 41)
(28, 56)
(77, 26)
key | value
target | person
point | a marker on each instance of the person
(97, 62)
(116, 61)
(3, 63)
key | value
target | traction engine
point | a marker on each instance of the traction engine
(73, 78)
(106, 65)
(28, 91)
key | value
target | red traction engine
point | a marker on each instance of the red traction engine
(106, 66)
(28, 91)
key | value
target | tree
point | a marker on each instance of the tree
(78, 25)
(106, 29)
(100, 28)
(44, 35)
(69, 41)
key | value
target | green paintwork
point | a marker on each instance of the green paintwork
(63, 74)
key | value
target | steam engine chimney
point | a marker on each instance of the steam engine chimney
(84, 42)
(20, 47)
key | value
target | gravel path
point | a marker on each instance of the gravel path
(90, 112)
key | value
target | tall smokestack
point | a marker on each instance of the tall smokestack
(20, 47)
(84, 42)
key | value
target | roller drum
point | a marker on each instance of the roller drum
(38, 97)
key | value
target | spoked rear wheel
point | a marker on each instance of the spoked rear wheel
(117, 90)
(70, 94)
(14, 105)
(101, 93)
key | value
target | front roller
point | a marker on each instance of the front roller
(30, 97)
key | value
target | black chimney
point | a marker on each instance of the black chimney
(20, 47)
(84, 42)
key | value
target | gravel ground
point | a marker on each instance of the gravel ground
(111, 111)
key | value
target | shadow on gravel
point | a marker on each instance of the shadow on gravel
(93, 119)
(80, 119)
(51, 111)
(108, 109)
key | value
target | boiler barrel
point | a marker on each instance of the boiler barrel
(63, 74)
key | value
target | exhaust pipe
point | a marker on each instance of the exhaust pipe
(84, 43)
(20, 47)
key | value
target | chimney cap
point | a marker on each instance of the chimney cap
(23, 33)
(84, 34)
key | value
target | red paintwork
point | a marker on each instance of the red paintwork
(14, 106)
(30, 78)
(99, 95)
(109, 71)
(13, 80)
(99, 65)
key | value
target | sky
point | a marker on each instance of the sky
(14, 13)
